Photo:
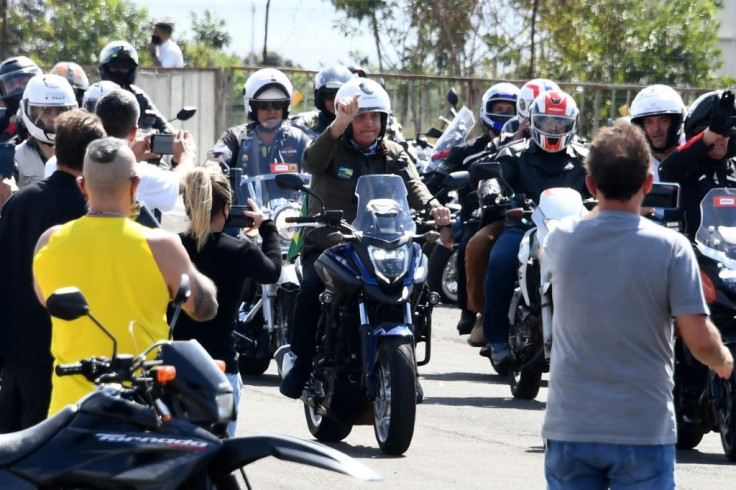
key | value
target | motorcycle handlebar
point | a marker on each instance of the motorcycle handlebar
(68, 369)
(300, 219)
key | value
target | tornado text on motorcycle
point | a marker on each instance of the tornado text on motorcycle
(170, 442)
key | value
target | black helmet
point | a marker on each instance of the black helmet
(123, 55)
(698, 118)
(14, 75)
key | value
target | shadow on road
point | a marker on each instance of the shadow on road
(491, 377)
(696, 457)
(484, 402)
(359, 451)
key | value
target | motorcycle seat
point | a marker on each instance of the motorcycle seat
(16, 445)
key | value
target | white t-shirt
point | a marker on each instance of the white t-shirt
(158, 189)
(169, 54)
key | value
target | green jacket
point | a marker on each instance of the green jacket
(335, 165)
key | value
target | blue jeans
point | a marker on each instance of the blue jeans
(237, 385)
(591, 466)
(499, 285)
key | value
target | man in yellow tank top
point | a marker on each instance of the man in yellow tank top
(128, 272)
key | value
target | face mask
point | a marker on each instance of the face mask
(156, 40)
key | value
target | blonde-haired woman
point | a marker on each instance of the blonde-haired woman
(228, 261)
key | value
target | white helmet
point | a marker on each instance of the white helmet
(95, 93)
(500, 92)
(373, 98)
(329, 80)
(530, 91)
(267, 84)
(660, 100)
(41, 93)
(553, 120)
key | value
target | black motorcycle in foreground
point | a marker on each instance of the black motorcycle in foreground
(375, 307)
(705, 402)
(150, 424)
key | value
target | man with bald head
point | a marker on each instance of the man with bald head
(128, 272)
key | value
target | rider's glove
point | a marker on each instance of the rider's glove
(721, 119)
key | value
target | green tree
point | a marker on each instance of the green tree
(625, 41)
(210, 30)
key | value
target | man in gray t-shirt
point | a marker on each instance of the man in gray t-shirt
(617, 280)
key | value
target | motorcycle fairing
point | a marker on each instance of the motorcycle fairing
(528, 250)
(378, 332)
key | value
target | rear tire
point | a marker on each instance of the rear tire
(395, 406)
(525, 383)
(442, 275)
(688, 437)
(251, 366)
(324, 428)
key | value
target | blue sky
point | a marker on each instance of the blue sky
(301, 30)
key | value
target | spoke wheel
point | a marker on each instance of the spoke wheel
(394, 409)
(324, 428)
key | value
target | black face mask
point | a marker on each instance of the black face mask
(156, 40)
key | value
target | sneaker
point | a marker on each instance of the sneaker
(476, 338)
(465, 325)
(500, 354)
(294, 381)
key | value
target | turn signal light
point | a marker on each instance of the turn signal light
(220, 364)
(164, 374)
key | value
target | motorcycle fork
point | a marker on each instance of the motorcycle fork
(268, 295)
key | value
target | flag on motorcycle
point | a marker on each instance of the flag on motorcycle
(297, 241)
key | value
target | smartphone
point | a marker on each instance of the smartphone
(237, 219)
(163, 144)
(7, 160)
(664, 195)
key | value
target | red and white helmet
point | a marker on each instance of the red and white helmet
(553, 120)
(530, 91)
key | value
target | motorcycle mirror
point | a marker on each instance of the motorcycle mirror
(434, 133)
(185, 113)
(67, 304)
(292, 182)
(487, 170)
(456, 180)
(452, 97)
(182, 294)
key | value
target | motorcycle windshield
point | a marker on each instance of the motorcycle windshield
(264, 191)
(383, 210)
(716, 237)
(455, 133)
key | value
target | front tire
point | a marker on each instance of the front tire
(726, 411)
(394, 409)
(688, 437)
(324, 428)
(525, 383)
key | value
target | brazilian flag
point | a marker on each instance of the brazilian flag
(297, 241)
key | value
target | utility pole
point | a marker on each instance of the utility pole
(4, 32)
(265, 35)
(252, 56)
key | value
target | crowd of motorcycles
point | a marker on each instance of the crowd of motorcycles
(158, 418)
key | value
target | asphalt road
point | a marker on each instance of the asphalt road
(469, 433)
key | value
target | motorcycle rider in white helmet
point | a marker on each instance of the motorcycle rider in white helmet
(351, 146)
(660, 112)
(45, 97)
(268, 143)
(326, 84)
(95, 92)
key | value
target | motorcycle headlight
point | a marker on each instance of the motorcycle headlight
(225, 407)
(285, 230)
(390, 263)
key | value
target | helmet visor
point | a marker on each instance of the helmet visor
(12, 84)
(328, 93)
(44, 116)
(553, 125)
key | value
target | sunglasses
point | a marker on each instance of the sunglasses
(265, 105)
